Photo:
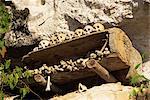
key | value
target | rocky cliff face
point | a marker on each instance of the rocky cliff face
(50, 16)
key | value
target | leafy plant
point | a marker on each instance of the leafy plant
(10, 77)
(25, 90)
(13, 78)
(137, 66)
(139, 91)
(137, 78)
(4, 19)
(134, 91)
(1, 95)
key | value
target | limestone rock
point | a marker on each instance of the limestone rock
(110, 91)
(19, 34)
(145, 70)
(67, 15)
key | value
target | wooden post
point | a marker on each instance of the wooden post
(101, 71)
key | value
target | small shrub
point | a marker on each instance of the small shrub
(5, 19)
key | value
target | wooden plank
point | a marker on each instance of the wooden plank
(69, 49)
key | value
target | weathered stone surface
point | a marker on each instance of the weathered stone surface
(7, 97)
(111, 91)
(19, 34)
(67, 15)
(145, 70)
(54, 16)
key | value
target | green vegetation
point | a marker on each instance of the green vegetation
(137, 78)
(10, 77)
(13, 78)
(141, 81)
(4, 19)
